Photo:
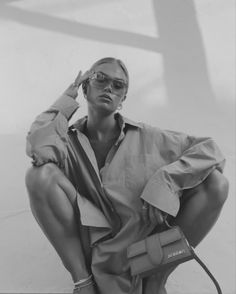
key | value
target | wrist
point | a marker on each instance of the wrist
(71, 94)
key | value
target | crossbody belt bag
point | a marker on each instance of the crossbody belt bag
(161, 251)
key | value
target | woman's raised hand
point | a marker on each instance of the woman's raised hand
(72, 90)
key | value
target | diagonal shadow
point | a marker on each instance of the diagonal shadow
(185, 66)
(52, 23)
(180, 43)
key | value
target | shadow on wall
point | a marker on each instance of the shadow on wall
(185, 68)
(180, 44)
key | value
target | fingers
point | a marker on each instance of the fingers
(155, 215)
(152, 214)
(86, 75)
(77, 81)
(81, 77)
(145, 212)
(158, 216)
(72, 90)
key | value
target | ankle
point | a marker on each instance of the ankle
(79, 274)
(83, 283)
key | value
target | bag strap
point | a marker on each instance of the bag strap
(202, 264)
(208, 272)
(105, 205)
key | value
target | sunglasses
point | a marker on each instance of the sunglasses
(101, 80)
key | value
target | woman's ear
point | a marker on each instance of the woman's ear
(123, 99)
(84, 88)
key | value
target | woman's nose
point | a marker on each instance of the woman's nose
(108, 86)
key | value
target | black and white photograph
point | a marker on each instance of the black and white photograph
(118, 140)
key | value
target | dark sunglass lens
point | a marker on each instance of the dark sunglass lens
(118, 85)
(100, 77)
(101, 80)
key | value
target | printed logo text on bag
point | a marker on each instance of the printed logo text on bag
(175, 253)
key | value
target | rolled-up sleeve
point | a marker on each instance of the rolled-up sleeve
(198, 158)
(47, 138)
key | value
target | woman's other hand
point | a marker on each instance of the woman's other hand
(72, 90)
(152, 215)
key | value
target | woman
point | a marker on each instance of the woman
(106, 182)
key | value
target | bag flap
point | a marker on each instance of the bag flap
(170, 236)
(154, 249)
(135, 249)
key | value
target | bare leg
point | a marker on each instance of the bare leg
(52, 200)
(200, 209)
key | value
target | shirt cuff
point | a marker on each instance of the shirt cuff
(159, 194)
(66, 105)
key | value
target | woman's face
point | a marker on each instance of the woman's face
(107, 88)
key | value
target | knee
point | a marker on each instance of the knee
(39, 180)
(216, 187)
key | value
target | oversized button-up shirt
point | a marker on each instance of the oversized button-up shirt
(145, 163)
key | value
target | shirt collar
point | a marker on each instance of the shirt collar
(123, 122)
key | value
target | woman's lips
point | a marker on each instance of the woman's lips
(107, 97)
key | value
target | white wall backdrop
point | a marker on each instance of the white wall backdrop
(181, 59)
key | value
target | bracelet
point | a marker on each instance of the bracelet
(83, 283)
(79, 287)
